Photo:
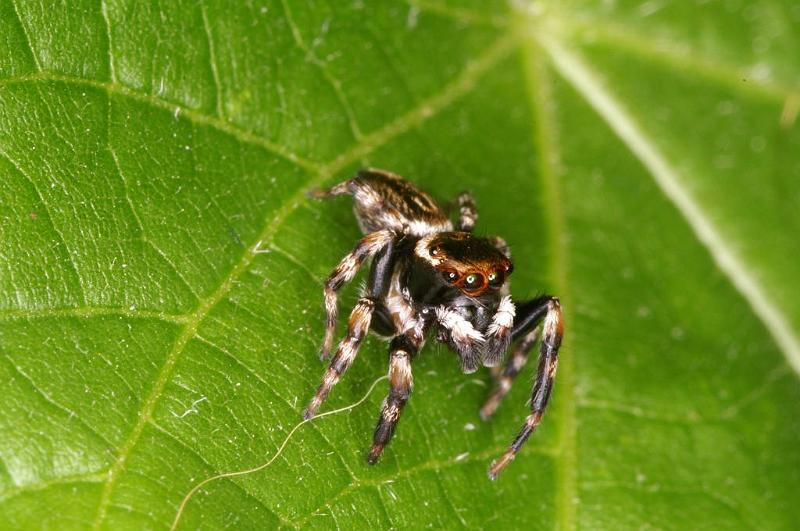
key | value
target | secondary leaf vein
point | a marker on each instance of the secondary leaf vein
(211, 467)
(59, 235)
(194, 116)
(27, 36)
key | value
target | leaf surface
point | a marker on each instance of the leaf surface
(161, 269)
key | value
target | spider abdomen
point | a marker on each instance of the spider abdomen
(386, 201)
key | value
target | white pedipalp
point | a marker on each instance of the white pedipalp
(503, 318)
(461, 330)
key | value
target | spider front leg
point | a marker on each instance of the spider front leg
(552, 333)
(366, 248)
(401, 351)
(357, 329)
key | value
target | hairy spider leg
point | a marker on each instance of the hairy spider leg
(341, 188)
(503, 379)
(552, 333)
(402, 350)
(365, 249)
(498, 334)
(380, 274)
(357, 329)
(501, 245)
(467, 212)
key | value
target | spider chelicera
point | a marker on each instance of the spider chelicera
(429, 275)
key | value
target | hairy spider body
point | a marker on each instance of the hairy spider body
(430, 276)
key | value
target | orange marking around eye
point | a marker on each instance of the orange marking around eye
(483, 268)
(465, 254)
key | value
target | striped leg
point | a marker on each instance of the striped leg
(345, 187)
(467, 212)
(357, 329)
(402, 350)
(366, 248)
(501, 245)
(552, 332)
(503, 380)
(498, 334)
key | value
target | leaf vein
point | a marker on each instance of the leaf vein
(459, 14)
(297, 263)
(59, 235)
(242, 135)
(112, 74)
(53, 403)
(212, 60)
(134, 212)
(447, 498)
(89, 311)
(430, 464)
(262, 381)
(691, 418)
(702, 490)
(27, 36)
(18, 490)
(737, 77)
(335, 84)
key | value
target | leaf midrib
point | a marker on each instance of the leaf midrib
(736, 269)
(545, 135)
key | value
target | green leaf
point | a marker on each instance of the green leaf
(160, 267)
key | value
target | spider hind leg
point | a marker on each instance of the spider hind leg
(467, 212)
(369, 309)
(505, 378)
(357, 329)
(367, 247)
(552, 334)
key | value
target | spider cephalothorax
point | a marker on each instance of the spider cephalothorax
(474, 265)
(431, 276)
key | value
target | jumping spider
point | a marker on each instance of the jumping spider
(429, 275)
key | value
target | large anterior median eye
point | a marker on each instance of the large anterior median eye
(473, 281)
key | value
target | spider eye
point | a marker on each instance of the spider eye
(434, 251)
(450, 276)
(496, 279)
(473, 281)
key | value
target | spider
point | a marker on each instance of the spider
(431, 276)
